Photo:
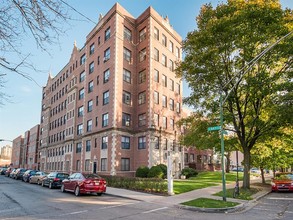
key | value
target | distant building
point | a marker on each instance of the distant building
(17, 152)
(6, 152)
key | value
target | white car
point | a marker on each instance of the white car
(255, 170)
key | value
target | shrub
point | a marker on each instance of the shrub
(142, 172)
(156, 172)
(164, 169)
(189, 172)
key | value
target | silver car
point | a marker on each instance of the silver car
(38, 177)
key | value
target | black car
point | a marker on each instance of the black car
(27, 175)
(54, 179)
(3, 170)
(19, 173)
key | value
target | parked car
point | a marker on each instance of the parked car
(255, 170)
(19, 173)
(54, 179)
(282, 182)
(38, 177)
(240, 169)
(80, 183)
(8, 171)
(28, 174)
(12, 173)
(3, 170)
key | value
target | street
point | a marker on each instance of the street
(19, 200)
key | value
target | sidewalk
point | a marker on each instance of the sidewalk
(176, 200)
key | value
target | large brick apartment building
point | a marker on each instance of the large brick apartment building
(115, 104)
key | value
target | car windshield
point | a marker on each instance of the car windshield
(62, 175)
(91, 175)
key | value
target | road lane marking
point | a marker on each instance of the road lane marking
(280, 198)
(154, 210)
(74, 213)
(114, 206)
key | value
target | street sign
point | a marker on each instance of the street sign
(215, 128)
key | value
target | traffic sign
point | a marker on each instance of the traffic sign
(215, 128)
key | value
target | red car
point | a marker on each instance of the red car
(282, 182)
(81, 183)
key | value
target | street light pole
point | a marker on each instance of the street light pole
(222, 147)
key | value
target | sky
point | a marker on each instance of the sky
(24, 110)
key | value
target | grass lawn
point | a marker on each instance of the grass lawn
(209, 203)
(203, 180)
(245, 194)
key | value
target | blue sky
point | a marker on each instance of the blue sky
(24, 111)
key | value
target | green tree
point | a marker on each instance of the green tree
(220, 56)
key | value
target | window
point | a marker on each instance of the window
(91, 67)
(97, 100)
(164, 101)
(90, 86)
(156, 33)
(141, 98)
(171, 48)
(105, 142)
(141, 76)
(164, 60)
(156, 54)
(142, 55)
(142, 119)
(89, 125)
(82, 76)
(107, 55)
(87, 165)
(156, 75)
(92, 49)
(126, 76)
(106, 75)
(171, 104)
(156, 97)
(178, 107)
(177, 52)
(81, 93)
(127, 34)
(172, 124)
(82, 59)
(171, 84)
(78, 165)
(88, 145)
(125, 164)
(97, 121)
(178, 88)
(157, 143)
(103, 164)
(105, 120)
(126, 98)
(78, 147)
(156, 119)
(142, 35)
(171, 65)
(80, 111)
(106, 98)
(164, 40)
(126, 118)
(126, 54)
(107, 33)
(142, 142)
(164, 122)
(90, 105)
(125, 142)
(79, 129)
(164, 80)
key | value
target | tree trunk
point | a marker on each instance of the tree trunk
(228, 162)
(262, 176)
(246, 161)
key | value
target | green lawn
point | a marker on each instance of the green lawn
(203, 180)
(209, 203)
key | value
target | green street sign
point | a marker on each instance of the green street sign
(215, 128)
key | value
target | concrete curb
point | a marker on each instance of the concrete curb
(239, 207)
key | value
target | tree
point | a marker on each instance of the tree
(220, 56)
(41, 19)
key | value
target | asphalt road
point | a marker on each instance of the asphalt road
(19, 200)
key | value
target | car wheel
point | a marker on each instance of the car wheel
(38, 182)
(77, 191)
(50, 186)
(63, 188)
(99, 194)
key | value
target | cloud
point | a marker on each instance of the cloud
(25, 89)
